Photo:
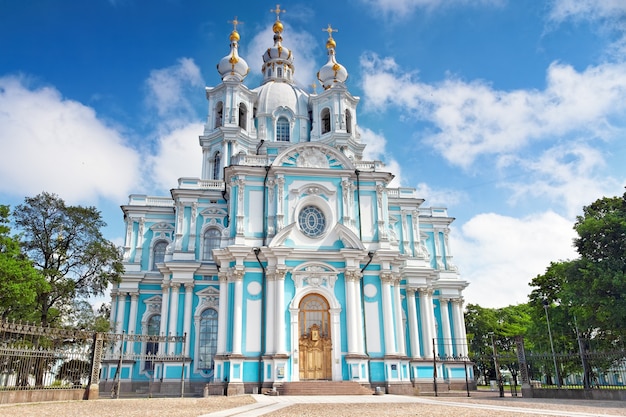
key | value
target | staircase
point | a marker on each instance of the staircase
(323, 388)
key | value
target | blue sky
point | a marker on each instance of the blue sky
(511, 113)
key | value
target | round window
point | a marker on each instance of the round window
(312, 221)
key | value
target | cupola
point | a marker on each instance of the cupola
(232, 66)
(332, 72)
(278, 60)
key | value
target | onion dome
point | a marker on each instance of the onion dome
(232, 66)
(277, 60)
(332, 72)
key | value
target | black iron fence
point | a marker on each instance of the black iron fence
(585, 370)
(35, 357)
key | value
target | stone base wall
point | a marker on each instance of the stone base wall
(41, 395)
(575, 394)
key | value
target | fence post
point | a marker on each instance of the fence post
(93, 392)
(182, 374)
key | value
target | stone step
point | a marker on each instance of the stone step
(324, 388)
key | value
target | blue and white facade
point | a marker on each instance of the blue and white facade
(290, 258)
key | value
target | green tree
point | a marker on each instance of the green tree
(495, 327)
(66, 245)
(20, 282)
(586, 296)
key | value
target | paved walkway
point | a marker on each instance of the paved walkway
(267, 404)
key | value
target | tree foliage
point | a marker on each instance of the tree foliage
(67, 247)
(587, 296)
(20, 282)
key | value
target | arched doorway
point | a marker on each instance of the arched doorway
(315, 343)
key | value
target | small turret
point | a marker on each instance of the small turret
(332, 72)
(232, 66)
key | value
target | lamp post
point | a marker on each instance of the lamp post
(556, 368)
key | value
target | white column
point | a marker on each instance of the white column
(459, 326)
(281, 345)
(445, 324)
(173, 329)
(400, 337)
(388, 317)
(271, 338)
(428, 330)
(121, 305)
(351, 314)
(119, 318)
(132, 319)
(237, 311)
(165, 298)
(187, 315)
(222, 317)
(358, 307)
(413, 327)
(113, 316)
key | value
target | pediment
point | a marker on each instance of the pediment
(340, 232)
(313, 155)
(162, 227)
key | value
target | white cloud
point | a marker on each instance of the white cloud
(562, 10)
(399, 9)
(610, 14)
(376, 151)
(178, 155)
(177, 152)
(569, 175)
(500, 255)
(58, 145)
(169, 90)
(471, 119)
(443, 197)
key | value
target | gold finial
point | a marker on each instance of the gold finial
(314, 86)
(278, 11)
(235, 22)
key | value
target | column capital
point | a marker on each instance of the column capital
(425, 291)
(175, 285)
(237, 274)
(165, 286)
(352, 275)
(189, 286)
(134, 295)
(387, 277)
(458, 301)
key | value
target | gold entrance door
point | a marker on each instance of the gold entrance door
(315, 342)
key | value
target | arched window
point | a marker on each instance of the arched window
(243, 116)
(282, 129)
(348, 121)
(219, 114)
(152, 348)
(216, 166)
(158, 253)
(212, 240)
(314, 309)
(279, 72)
(325, 116)
(207, 339)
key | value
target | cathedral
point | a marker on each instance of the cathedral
(291, 258)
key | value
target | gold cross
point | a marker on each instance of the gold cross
(278, 11)
(330, 31)
(235, 22)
